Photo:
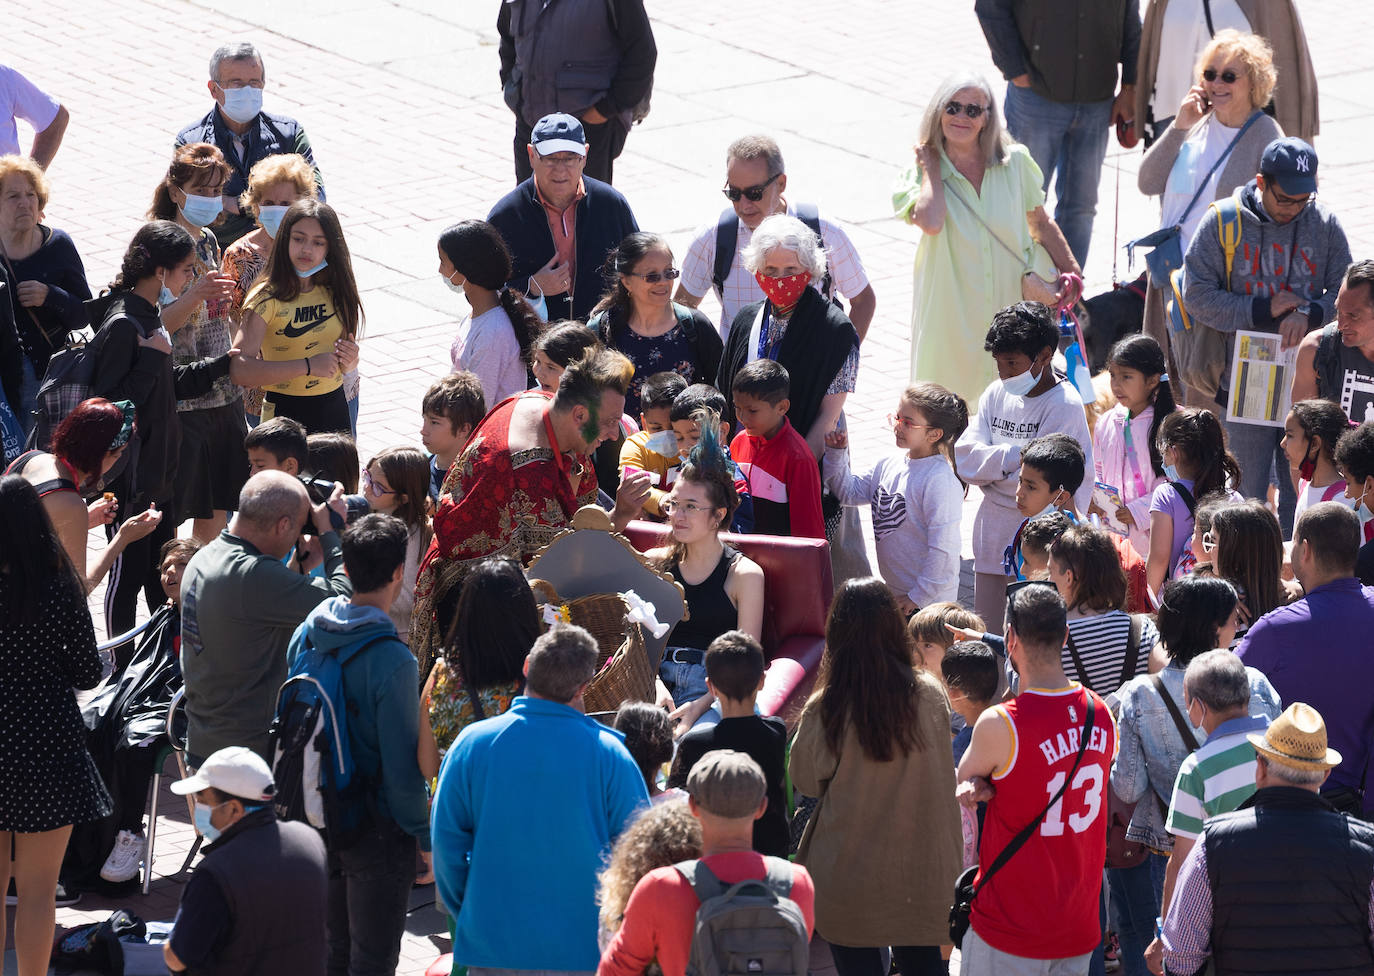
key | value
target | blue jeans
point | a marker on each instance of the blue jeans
(1136, 896)
(1257, 449)
(369, 893)
(353, 416)
(687, 682)
(1069, 138)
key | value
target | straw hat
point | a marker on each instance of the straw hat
(1297, 738)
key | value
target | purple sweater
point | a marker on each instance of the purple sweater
(1317, 651)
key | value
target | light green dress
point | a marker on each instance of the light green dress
(962, 275)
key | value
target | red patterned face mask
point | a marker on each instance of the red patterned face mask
(784, 292)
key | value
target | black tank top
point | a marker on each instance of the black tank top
(43, 487)
(712, 613)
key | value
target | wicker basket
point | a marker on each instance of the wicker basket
(603, 616)
(623, 669)
(626, 677)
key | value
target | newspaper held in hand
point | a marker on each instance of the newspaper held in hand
(1261, 379)
(1108, 498)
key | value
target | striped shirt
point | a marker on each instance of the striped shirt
(1215, 779)
(1100, 641)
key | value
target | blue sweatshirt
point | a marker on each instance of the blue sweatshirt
(527, 808)
(383, 707)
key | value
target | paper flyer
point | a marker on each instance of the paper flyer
(1108, 498)
(1261, 379)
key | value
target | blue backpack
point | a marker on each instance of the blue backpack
(312, 762)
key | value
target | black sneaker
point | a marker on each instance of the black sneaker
(66, 897)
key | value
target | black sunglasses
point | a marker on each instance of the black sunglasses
(753, 193)
(1210, 74)
(972, 110)
(654, 277)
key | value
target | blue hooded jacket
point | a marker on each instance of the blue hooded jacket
(383, 707)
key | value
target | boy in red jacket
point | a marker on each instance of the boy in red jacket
(783, 476)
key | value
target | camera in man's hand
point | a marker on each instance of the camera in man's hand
(320, 490)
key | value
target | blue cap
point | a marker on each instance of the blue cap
(1292, 163)
(558, 133)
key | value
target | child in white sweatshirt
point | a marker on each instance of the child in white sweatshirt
(1027, 400)
(916, 496)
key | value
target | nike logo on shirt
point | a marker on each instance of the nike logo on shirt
(307, 317)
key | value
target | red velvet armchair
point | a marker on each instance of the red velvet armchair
(797, 587)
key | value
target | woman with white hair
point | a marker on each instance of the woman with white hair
(986, 239)
(809, 336)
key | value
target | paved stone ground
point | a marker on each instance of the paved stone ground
(402, 105)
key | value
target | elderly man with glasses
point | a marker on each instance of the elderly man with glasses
(243, 131)
(755, 181)
(560, 224)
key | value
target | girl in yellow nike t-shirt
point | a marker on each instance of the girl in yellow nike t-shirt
(301, 322)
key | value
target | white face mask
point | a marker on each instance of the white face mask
(451, 285)
(242, 104)
(663, 443)
(1022, 383)
(1361, 510)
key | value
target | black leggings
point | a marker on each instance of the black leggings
(318, 414)
(910, 960)
(135, 571)
(133, 776)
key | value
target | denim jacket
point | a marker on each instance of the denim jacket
(1151, 750)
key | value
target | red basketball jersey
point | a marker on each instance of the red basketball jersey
(1043, 904)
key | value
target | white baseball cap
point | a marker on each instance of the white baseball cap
(236, 771)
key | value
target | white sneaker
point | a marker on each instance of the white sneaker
(125, 858)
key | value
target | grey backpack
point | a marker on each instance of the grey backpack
(752, 928)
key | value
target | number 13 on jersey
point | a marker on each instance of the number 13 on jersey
(1083, 799)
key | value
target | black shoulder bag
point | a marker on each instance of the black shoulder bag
(964, 889)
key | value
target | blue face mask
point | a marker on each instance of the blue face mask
(1022, 383)
(540, 306)
(201, 211)
(202, 820)
(242, 104)
(165, 296)
(1171, 472)
(663, 443)
(319, 267)
(270, 218)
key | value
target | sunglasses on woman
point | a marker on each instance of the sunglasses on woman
(972, 109)
(654, 277)
(752, 193)
(1228, 77)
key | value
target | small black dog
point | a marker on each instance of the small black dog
(1110, 316)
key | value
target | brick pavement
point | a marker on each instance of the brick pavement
(401, 103)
